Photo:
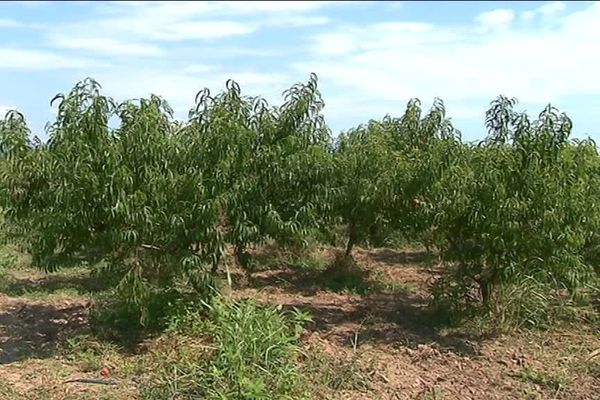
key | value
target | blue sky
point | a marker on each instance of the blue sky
(371, 57)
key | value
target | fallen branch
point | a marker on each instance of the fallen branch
(93, 381)
(593, 355)
(151, 247)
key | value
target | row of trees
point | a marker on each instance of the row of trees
(159, 200)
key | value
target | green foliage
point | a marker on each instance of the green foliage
(548, 381)
(532, 303)
(251, 354)
(362, 172)
(15, 136)
(275, 257)
(158, 200)
(154, 202)
(383, 168)
(520, 204)
(268, 167)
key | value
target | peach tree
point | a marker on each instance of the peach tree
(521, 204)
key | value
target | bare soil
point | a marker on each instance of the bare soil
(406, 354)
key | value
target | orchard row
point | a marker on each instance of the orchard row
(158, 200)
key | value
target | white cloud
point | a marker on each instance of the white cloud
(23, 59)
(272, 7)
(200, 30)
(9, 23)
(395, 5)
(392, 63)
(499, 18)
(229, 52)
(365, 69)
(333, 44)
(465, 111)
(379, 36)
(106, 46)
(198, 69)
(155, 20)
(180, 87)
(528, 15)
(403, 27)
(143, 22)
(296, 21)
(29, 3)
(13, 23)
(553, 7)
(141, 30)
(256, 80)
(191, 9)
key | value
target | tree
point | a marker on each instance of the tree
(364, 166)
(268, 166)
(383, 170)
(123, 195)
(517, 206)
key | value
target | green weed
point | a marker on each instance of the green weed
(547, 380)
(247, 352)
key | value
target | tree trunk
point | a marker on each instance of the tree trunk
(241, 256)
(489, 294)
(215, 263)
(351, 239)
(485, 289)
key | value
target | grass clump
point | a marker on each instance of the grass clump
(524, 303)
(274, 257)
(546, 380)
(231, 350)
(337, 374)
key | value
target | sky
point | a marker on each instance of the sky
(370, 57)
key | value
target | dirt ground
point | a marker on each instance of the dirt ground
(404, 354)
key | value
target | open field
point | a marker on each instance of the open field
(371, 337)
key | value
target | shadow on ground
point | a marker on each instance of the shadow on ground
(399, 258)
(371, 315)
(360, 280)
(36, 329)
(54, 282)
(400, 321)
(35, 324)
